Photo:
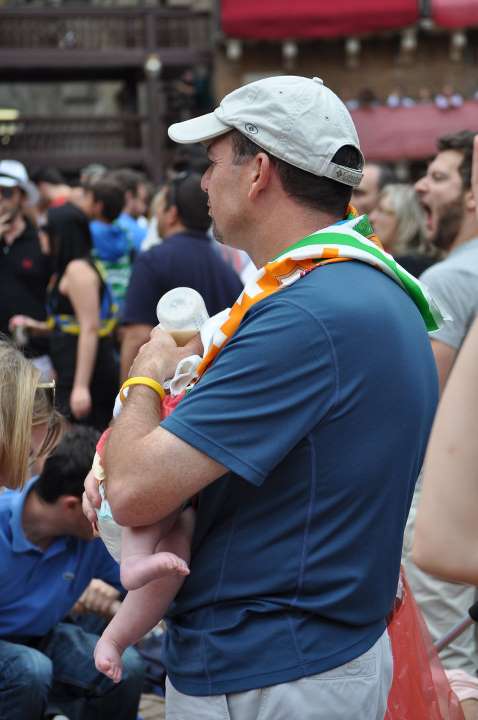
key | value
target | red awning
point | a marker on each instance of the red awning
(455, 13)
(388, 134)
(281, 19)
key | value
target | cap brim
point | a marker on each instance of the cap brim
(8, 181)
(199, 129)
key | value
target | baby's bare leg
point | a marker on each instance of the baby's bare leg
(143, 608)
(142, 556)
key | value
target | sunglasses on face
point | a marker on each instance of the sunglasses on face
(7, 192)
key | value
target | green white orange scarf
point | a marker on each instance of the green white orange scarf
(351, 239)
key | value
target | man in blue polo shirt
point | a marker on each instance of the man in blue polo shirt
(303, 438)
(186, 258)
(47, 559)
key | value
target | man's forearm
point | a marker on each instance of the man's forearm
(151, 472)
(129, 473)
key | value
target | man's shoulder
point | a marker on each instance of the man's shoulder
(461, 262)
(68, 212)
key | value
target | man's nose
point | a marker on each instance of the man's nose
(421, 185)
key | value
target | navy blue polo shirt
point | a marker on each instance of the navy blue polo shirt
(182, 260)
(320, 406)
(40, 587)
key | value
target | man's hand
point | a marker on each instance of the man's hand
(5, 222)
(91, 498)
(24, 321)
(100, 598)
(159, 357)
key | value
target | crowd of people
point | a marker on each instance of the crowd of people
(446, 98)
(267, 515)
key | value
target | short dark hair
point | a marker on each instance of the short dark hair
(185, 193)
(462, 142)
(110, 194)
(65, 469)
(128, 179)
(312, 191)
(48, 174)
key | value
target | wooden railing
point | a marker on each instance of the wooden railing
(70, 141)
(100, 29)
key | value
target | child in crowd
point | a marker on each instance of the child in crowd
(154, 559)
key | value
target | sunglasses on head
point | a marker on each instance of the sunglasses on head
(50, 388)
(7, 192)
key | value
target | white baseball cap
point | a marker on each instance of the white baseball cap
(14, 174)
(296, 119)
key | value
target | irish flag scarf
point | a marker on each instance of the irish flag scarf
(351, 239)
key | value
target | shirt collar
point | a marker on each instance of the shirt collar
(20, 542)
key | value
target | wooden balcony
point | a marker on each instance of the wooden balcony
(98, 42)
(138, 44)
(70, 142)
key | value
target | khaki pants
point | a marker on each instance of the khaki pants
(359, 690)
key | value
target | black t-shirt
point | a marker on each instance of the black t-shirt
(415, 264)
(24, 275)
(182, 260)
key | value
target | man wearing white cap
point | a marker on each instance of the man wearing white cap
(302, 439)
(24, 269)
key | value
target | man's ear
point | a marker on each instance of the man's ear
(470, 202)
(70, 502)
(261, 173)
(171, 215)
(98, 208)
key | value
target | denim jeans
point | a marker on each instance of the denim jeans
(60, 671)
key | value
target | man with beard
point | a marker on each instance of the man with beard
(445, 193)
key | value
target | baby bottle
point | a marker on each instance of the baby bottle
(181, 312)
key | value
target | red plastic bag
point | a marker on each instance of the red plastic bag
(420, 689)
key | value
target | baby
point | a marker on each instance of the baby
(153, 563)
(154, 559)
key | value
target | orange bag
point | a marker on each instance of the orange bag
(420, 689)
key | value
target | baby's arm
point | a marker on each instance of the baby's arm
(143, 608)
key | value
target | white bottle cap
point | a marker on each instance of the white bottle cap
(181, 309)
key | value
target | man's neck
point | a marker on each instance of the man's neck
(468, 232)
(280, 233)
(174, 230)
(17, 227)
(36, 521)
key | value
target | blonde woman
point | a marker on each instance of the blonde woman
(29, 424)
(399, 221)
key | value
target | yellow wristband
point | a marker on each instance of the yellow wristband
(142, 380)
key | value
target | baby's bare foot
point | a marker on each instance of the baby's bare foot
(108, 660)
(138, 571)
